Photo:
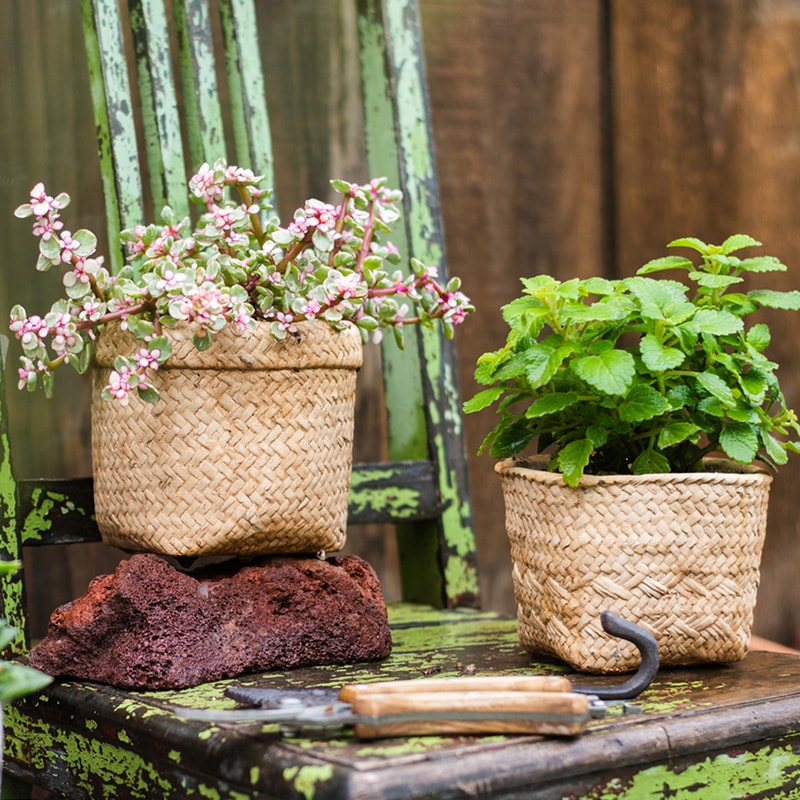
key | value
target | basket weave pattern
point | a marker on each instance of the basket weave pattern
(677, 554)
(247, 451)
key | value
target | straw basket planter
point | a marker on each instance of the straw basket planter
(248, 451)
(678, 554)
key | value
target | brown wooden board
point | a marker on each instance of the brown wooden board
(744, 717)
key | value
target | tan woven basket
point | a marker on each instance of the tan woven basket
(248, 451)
(678, 554)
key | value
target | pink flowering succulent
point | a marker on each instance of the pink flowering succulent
(236, 266)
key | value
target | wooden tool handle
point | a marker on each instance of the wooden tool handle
(501, 683)
(553, 713)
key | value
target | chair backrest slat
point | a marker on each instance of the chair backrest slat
(204, 121)
(111, 95)
(249, 116)
(160, 117)
(400, 145)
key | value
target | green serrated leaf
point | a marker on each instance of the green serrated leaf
(774, 449)
(717, 387)
(712, 281)
(738, 241)
(667, 262)
(759, 337)
(692, 242)
(657, 357)
(769, 298)
(552, 403)
(739, 441)
(676, 432)
(18, 680)
(641, 403)
(512, 439)
(610, 372)
(482, 399)
(762, 264)
(715, 322)
(650, 461)
(572, 460)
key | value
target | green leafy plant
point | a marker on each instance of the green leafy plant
(642, 374)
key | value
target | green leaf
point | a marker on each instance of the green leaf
(715, 322)
(202, 342)
(641, 403)
(552, 403)
(149, 395)
(758, 337)
(712, 281)
(482, 399)
(610, 372)
(650, 461)
(754, 385)
(667, 262)
(657, 357)
(541, 364)
(738, 241)
(676, 432)
(17, 680)
(573, 458)
(511, 439)
(774, 449)
(762, 264)
(692, 242)
(769, 298)
(87, 242)
(739, 441)
(716, 386)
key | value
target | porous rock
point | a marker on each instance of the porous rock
(149, 625)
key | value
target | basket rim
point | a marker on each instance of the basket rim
(316, 344)
(721, 470)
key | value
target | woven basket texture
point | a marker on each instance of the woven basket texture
(248, 451)
(678, 554)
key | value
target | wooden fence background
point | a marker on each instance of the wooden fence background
(572, 138)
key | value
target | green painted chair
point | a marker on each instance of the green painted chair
(714, 732)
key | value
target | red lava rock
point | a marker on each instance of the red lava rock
(151, 626)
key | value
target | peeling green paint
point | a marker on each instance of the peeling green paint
(305, 779)
(769, 770)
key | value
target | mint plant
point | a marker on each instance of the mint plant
(237, 265)
(642, 375)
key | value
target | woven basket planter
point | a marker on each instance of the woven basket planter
(678, 554)
(247, 452)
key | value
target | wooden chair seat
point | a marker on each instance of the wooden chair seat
(716, 732)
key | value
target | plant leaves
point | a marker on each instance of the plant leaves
(692, 242)
(769, 298)
(657, 357)
(737, 241)
(551, 403)
(739, 441)
(650, 461)
(610, 372)
(715, 322)
(667, 262)
(716, 386)
(482, 399)
(17, 680)
(641, 403)
(758, 337)
(573, 458)
(676, 432)
(511, 439)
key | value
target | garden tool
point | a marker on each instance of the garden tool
(528, 704)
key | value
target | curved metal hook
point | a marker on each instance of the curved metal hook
(648, 648)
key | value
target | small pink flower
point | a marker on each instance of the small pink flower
(119, 386)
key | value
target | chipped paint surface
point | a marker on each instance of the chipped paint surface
(305, 779)
(768, 772)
